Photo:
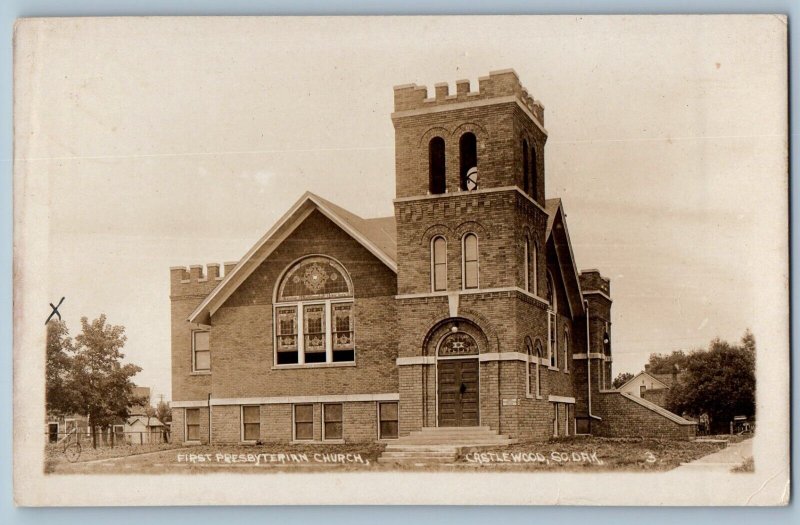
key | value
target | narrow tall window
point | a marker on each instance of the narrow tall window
(439, 264)
(436, 165)
(192, 424)
(537, 353)
(526, 264)
(530, 371)
(525, 167)
(566, 351)
(552, 321)
(332, 417)
(251, 423)
(555, 420)
(468, 150)
(304, 422)
(388, 420)
(533, 269)
(470, 261)
(534, 189)
(201, 353)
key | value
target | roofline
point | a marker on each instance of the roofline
(560, 209)
(623, 385)
(209, 302)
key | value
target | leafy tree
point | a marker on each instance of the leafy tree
(59, 397)
(101, 382)
(666, 363)
(163, 412)
(621, 379)
(719, 382)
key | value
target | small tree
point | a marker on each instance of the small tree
(719, 382)
(59, 396)
(621, 379)
(163, 412)
(102, 383)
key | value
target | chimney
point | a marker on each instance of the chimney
(647, 368)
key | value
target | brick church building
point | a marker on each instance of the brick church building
(464, 309)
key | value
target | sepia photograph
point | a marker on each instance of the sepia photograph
(426, 260)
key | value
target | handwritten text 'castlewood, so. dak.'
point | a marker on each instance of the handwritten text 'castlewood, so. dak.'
(533, 457)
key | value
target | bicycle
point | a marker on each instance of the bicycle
(72, 449)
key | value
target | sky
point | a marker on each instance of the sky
(169, 143)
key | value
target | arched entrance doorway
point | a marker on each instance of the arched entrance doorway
(457, 380)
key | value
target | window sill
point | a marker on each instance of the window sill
(317, 442)
(313, 365)
(200, 373)
(191, 443)
(553, 368)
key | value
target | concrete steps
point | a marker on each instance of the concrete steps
(438, 445)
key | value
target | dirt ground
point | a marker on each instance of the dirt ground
(572, 454)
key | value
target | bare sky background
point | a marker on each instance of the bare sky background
(174, 144)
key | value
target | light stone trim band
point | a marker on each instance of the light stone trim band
(593, 355)
(492, 356)
(345, 398)
(470, 104)
(598, 292)
(561, 399)
(517, 289)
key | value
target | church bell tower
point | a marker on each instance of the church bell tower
(471, 226)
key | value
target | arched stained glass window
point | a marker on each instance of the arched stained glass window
(314, 321)
(315, 278)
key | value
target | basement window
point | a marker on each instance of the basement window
(332, 418)
(304, 422)
(388, 421)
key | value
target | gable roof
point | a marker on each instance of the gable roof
(572, 283)
(640, 374)
(378, 236)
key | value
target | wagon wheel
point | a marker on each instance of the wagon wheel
(73, 452)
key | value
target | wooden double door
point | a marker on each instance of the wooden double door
(458, 394)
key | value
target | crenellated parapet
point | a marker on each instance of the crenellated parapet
(593, 281)
(197, 279)
(498, 84)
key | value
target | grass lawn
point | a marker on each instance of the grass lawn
(54, 455)
(242, 458)
(588, 454)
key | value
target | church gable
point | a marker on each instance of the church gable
(317, 237)
(376, 236)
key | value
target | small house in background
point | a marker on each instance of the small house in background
(140, 428)
(59, 427)
(650, 386)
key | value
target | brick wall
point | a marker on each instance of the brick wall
(359, 420)
(659, 396)
(622, 417)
